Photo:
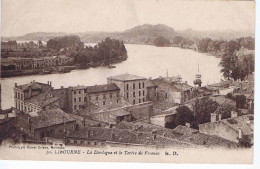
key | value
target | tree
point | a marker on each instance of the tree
(203, 45)
(202, 110)
(228, 63)
(161, 41)
(244, 142)
(240, 101)
(184, 114)
(225, 110)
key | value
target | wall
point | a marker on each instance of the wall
(54, 130)
(220, 129)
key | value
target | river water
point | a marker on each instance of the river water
(143, 60)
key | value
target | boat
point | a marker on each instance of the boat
(197, 80)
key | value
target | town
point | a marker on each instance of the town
(130, 110)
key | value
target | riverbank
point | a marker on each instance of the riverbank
(58, 69)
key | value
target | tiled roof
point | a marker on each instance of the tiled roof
(126, 77)
(41, 100)
(32, 85)
(184, 129)
(191, 137)
(50, 118)
(176, 87)
(102, 88)
(124, 136)
(223, 100)
(119, 112)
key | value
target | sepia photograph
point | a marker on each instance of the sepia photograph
(160, 81)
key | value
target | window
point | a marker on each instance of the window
(117, 94)
(127, 95)
(133, 85)
(143, 100)
(89, 97)
(75, 107)
(85, 90)
(127, 86)
(134, 101)
(139, 85)
(133, 94)
(104, 103)
(96, 97)
(85, 99)
(143, 92)
(74, 92)
(75, 99)
(79, 92)
(139, 93)
(79, 99)
(79, 106)
(143, 84)
(139, 100)
(117, 101)
(111, 95)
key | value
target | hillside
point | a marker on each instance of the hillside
(142, 34)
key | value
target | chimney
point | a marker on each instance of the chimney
(154, 137)
(186, 82)
(50, 83)
(150, 78)
(233, 114)
(61, 87)
(187, 124)
(47, 82)
(30, 124)
(84, 121)
(213, 117)
(15, 84)
(160, 77)
(219, 116)
(240, 134)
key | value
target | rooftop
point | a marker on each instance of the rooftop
(50, 118)
(102, 88)
(126, 77)
(33, 85)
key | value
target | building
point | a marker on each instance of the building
(48, 123)
(232, 129)
(34, 97)
(151, 90)
(100, 95)
(17, 63)
(132, 88)
(176, 92)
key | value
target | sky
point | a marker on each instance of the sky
(19, 17)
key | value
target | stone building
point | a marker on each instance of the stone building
(132, 88)
(49, 123)
(17, 63)
(175, 92)
(34, 97)
(99, 95)
(230, 129)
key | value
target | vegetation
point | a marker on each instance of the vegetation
(65, 42)
(240, 101)
(161, 41)
(202, 110)
(225, 111)
(109, 49)
(184, 114)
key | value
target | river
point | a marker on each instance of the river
(143, 60)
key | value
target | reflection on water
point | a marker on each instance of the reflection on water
(143, 60)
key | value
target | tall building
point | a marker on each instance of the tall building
(100, 95)
(34, 96)
(132, 87)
